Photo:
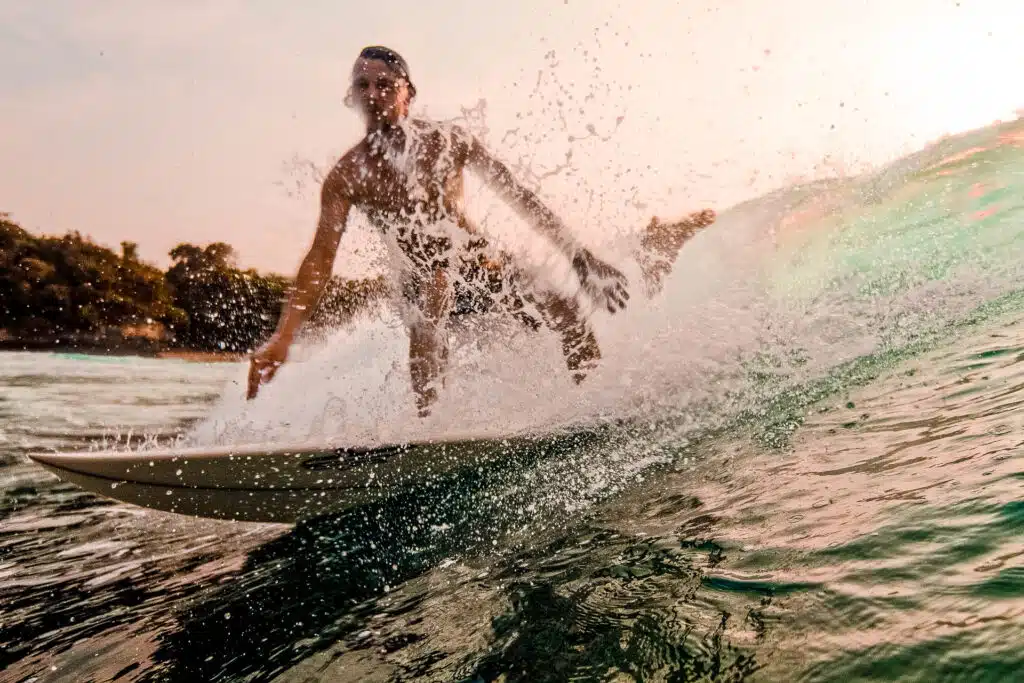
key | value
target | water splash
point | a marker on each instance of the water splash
(808, 277)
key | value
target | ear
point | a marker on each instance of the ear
(350, 100)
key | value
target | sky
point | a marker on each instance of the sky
(162, 122)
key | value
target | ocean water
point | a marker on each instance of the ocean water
(819, 476)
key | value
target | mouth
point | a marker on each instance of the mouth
(377, 111)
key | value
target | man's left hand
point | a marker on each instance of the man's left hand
(603, 282)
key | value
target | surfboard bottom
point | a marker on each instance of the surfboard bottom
(281, 484)
(267, 505)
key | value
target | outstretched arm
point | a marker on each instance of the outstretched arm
(500, 179)
(601, 281)
(312, 277)
(315, 269)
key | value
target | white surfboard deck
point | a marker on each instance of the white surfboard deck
(274, 483)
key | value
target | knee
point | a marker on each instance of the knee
(426, 337)
(423, 332)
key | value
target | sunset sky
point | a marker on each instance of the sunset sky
(164, 122)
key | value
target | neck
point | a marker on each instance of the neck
(386, 127)
(385, 134)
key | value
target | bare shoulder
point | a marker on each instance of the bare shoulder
(463, 140)
(445, 135)
(343, 180)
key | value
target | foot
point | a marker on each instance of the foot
(662, 242)
(668, 238)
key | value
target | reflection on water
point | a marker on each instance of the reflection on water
(883, 543)
(863, 525)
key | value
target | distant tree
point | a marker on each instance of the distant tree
(68, 284)
(129, 251)
(228, 309)
(220, 255)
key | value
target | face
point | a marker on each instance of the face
(381, 95)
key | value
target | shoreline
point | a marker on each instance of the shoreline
(201, 356)
(188, 355)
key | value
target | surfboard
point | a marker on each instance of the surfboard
(274, 483)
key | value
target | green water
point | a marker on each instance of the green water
(845, 516)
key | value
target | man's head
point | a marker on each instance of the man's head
(381, 88)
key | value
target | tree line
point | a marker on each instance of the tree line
(70, 290)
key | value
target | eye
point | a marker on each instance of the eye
(362, 84)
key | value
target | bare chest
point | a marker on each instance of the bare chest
(423, 178)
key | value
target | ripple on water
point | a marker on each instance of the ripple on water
(882, 543)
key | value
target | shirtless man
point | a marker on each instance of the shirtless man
(406, 176)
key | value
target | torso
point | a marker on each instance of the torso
(413, 192)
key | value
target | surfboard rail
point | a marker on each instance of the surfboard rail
(278, 483)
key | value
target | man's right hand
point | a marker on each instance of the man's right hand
(265, 362)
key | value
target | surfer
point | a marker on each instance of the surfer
(406, 176)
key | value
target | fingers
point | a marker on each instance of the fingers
(601, 295)
(602, 282)
(621, 296)
(615, 295)
(260, 372)
(254, 380)
(618, 298)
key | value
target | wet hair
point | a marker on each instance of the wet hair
(394, 61)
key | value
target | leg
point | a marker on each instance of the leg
(428, 344)
(579, 345)
(496, 282)
(661, 243)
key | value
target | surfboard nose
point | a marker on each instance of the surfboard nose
(61, 464)
(58, 460)
(115, 466)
